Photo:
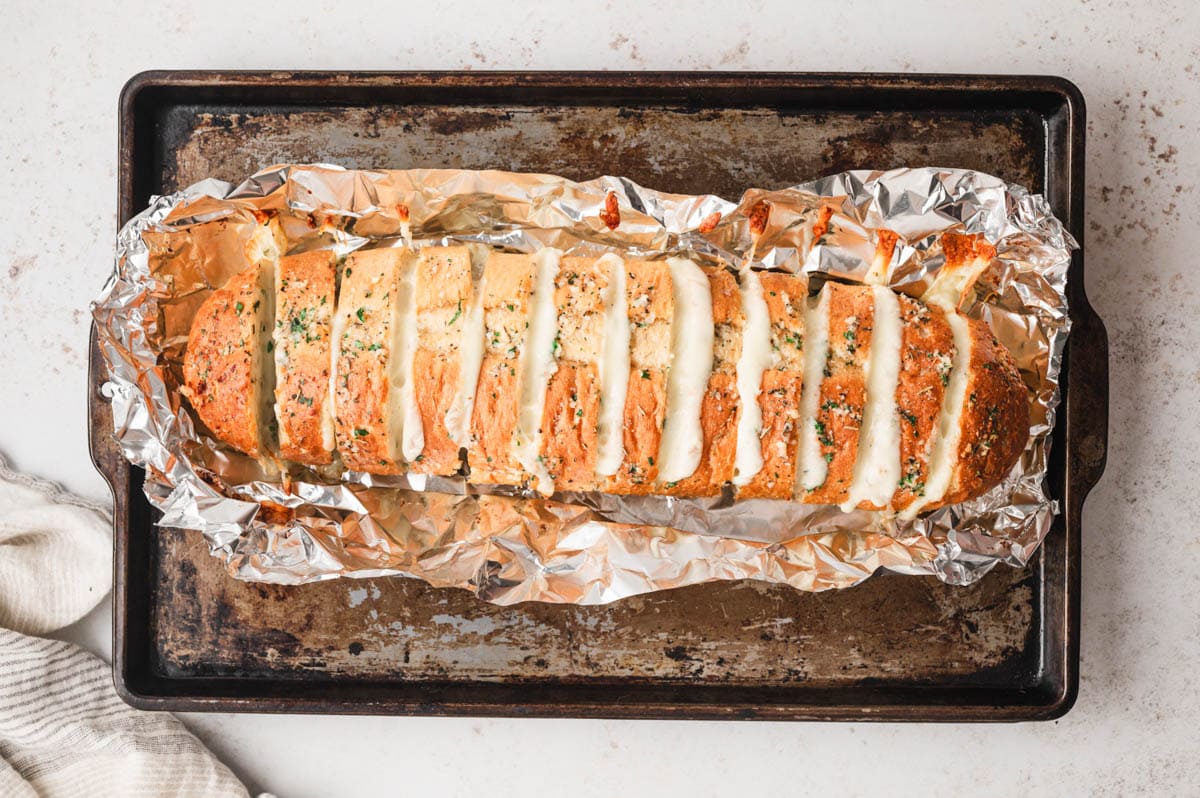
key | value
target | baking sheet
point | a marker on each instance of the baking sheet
(190, 638)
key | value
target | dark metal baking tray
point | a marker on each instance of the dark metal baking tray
(187, 637)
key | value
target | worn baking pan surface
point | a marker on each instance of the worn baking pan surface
(189, 637)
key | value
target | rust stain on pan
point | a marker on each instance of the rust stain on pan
(744, 633)
(720, 151)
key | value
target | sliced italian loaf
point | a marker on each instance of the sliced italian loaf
(629, 376)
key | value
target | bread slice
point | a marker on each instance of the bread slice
(926, 356)
(779, 396)
(571, 413)
(719, 408)
(994, 425)
(305, 289)
(843, 394)
(877, 465)
(508, 282)
(226, 371)
(369, 418)
(651, 310)
(443, 303)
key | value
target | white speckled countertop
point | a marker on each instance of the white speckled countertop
(1132, 731)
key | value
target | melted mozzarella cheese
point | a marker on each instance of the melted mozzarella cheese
(470, 360)
(538, 362)
(280, 359)
(412, 434)
(813, 468)
(949, 429)
(754, 360)
(692, 340)
(614, 370)
(951, 283)
(877, 467)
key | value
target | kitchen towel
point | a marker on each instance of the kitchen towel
(63, 730)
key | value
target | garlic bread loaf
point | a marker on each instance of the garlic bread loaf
(619, 375)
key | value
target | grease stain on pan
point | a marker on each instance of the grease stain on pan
(745, 633)
(582, 142)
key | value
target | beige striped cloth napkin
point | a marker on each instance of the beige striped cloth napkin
(63, 730)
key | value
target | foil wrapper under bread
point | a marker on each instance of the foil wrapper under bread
(297, 525)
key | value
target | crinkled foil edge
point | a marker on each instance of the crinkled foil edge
(510, 548)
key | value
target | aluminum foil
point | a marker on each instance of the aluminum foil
(289, 524)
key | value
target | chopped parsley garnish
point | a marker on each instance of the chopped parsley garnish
(359, 432)
(822, 434)
(239, 307)
(457, 313)
(361, 313)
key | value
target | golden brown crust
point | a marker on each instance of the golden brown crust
(785, 295)
(495, 417)
(434, 389)
(508, 281)
(995, 418)
(645, 409)
(843, 391)
(962, 248)
(926, 357)
(569, 422)
(367, 435)
(443, 296)
(220, 367)
(443, 277)
(726, 300)
(648, 292)
(303, 320)
(508, 291)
